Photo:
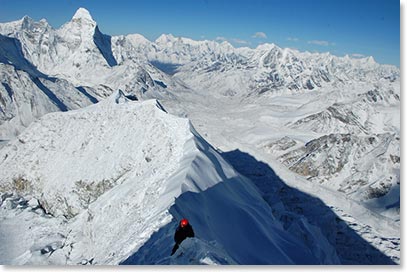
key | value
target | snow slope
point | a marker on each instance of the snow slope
(24, 98)
(106, 177)
(253, 137)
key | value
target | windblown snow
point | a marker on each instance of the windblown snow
(293, 157)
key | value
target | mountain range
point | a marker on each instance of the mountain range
(107, 141)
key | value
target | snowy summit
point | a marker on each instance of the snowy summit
(82, 13)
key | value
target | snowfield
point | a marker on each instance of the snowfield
(275, 156)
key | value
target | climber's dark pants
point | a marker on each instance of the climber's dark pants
(176, 246)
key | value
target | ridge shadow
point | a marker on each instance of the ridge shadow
(350, 247)
(234, 220)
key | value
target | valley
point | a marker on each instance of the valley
(100, 131)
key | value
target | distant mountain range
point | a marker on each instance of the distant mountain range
(333, 121)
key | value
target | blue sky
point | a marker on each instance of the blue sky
(353, 27)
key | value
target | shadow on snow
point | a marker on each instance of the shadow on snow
(349, 246)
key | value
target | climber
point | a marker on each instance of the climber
(183, 231)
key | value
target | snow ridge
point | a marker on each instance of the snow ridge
(133, 177)
(331, 123)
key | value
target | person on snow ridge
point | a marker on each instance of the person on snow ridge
(183, 231)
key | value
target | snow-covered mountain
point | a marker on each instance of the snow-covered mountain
(327, 124)
(311, 96)
(103, 179)
(26, 94)
(209, 65)
(350, 163)
(80, 52)
(63, 69)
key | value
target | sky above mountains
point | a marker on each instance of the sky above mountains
(355, 27)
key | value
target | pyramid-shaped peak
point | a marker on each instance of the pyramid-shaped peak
(370, 60)
(82, 13)
(164, 38)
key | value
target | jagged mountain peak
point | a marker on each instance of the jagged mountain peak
(25, 20)
(11, 28)
(165, 38)
(267, 46)
(26, 23)
(82, 14)
(226, 43)
(370, 60)
(81, 22)
(137, 39)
